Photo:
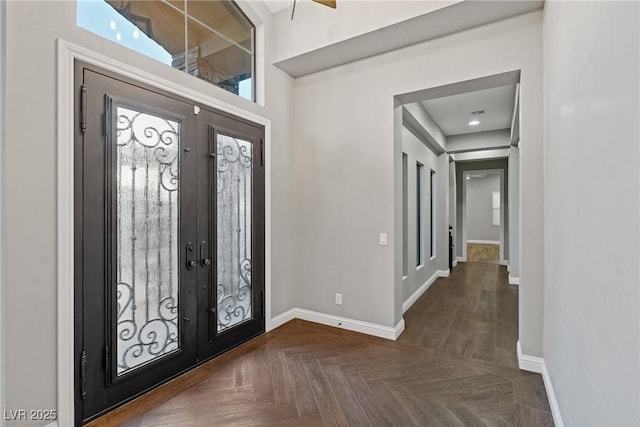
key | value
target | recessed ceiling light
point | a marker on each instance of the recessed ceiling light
(474, 123)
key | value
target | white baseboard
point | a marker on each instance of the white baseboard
(514, 280)
(455, 262)
(508, 268)
(443, 273)
(504, 262)
(390, 333)
(399, 329)
(461, 259)
(282, 318)
(551, 394)
(484, 242)
(418, 292)
(536, 364)
(529, 363)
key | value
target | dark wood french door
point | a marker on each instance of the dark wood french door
(169, 237)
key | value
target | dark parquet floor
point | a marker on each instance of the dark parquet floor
(455, 365)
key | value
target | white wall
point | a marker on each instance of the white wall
(416, 151)
(480, 210)
(346, 166)
(30, 186)
(591, 301)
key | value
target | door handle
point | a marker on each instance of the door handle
(205, 261)
(191, 264)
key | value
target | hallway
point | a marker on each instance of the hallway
(472, 313)
(455, 365)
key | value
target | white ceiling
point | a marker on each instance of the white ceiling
(276, 5)
(456, 17)
(453, 113)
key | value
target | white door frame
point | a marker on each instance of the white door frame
(67, 54)
(464, 210)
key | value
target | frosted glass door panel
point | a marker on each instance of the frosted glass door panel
(147, 237)
(233, 228)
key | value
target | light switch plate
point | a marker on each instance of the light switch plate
(383, 239)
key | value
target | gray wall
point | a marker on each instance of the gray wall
(452, 205)
(471, 141)
(514, 212)
(417, 151)
(3, 39)
(480, 210)
(349, 172)
(461, 168)
(30, 187)
(442, 213)
(592, 292)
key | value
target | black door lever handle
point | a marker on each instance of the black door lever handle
(205, 261)
(191, 264)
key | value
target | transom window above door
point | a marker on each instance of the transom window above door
(211, 40)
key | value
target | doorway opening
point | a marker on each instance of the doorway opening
(467, 133)
(484, 214)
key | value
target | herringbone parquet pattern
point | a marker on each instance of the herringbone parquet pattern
(303, 374)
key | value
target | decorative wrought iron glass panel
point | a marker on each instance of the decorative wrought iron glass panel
(233, 195)
(147, 237)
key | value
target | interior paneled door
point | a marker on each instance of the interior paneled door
(169, 237)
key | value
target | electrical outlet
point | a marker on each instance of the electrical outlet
(339, 299)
